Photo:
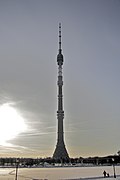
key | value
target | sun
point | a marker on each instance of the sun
(11, 123)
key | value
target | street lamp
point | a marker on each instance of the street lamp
(17, 164)
(114, 174)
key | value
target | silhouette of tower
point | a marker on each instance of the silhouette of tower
(60, 151)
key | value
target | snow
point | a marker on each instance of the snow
(60, 173)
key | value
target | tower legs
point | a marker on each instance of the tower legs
(60, 152)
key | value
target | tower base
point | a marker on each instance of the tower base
(60, 152)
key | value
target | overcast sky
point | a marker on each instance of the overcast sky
(28, 74)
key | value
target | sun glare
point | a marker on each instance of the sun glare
(11, 123)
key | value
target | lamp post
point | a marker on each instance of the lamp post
(114, 174)
(17, 164)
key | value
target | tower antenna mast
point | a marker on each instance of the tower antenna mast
(60, 50)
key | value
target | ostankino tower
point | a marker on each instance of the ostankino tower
(60, 151)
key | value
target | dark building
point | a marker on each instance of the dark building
(60, 150)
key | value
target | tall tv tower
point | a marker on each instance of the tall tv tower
(60, 150)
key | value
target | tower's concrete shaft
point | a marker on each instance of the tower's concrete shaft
(60, 151)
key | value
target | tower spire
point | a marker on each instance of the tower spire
(60, 56)
(60, 50)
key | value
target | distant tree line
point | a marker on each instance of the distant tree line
(36, 162)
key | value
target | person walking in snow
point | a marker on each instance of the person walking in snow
(104, 173)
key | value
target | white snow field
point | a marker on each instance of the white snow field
(61, 173)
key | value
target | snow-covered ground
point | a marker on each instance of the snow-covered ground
(63, 173)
